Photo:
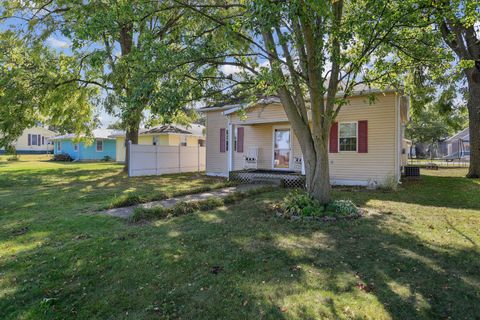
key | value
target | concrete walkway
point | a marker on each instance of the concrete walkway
(126, 212)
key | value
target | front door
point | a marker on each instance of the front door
(281, 149)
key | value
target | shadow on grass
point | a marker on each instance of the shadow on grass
(236, 263)
(241, 263)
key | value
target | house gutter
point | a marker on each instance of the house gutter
(398, 143)
(230, 146)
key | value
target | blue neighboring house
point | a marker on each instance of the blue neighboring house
(104, 145)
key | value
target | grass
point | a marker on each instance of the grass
(187, 207)
(415, 256)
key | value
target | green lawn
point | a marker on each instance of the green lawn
(416, 255)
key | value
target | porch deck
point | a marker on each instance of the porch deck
(286, 179)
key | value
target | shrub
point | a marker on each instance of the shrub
(390, 183)
(107, 158)
(150, 213)
(343, 207)
(299, 203)
(62, 157)
(210, 203)
(126, 200)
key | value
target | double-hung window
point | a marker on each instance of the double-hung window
(34, 139)
(99, 145)
(348, 136)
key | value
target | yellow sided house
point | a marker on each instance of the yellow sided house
(164, 135)
(34, 140)
(366, 141)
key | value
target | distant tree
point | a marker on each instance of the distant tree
(35, 88)
(116, 125)
(129, 48)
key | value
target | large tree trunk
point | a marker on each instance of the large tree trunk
(474, 123)
(130, 136)
(317, 172)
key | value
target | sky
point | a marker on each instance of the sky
(60, 44)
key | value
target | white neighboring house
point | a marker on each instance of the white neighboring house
(458, 145)
(34, 140)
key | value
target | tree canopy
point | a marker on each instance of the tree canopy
(36, 87)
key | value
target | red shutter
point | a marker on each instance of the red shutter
(363, 136)
(29, 139)
(39, 141)
(222, 140)
(240, 133)
(334, 138)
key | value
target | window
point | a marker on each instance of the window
(226, 140)
(34, 139)
(201, 142)
(59, 146)
(43, 140)
(348, 136)
(99, 145)
(75, 147)
(155, 140)
(183, 141)
(235, 139)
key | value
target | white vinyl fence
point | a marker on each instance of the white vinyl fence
(146, 160)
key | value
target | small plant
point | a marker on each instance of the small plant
(343, 207)
(62, 157)
(390, 183)
(150, 213)
(126, 200)
(298, 203)
(107, 158)
(11, 152)
(13, 158)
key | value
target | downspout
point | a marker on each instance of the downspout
(398, 144)
(230, 146)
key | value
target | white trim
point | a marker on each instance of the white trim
(398, 144)
(347, 182)
(217, 174)
(356, 138)
(273, 147)
(96, 145)
(230, 146)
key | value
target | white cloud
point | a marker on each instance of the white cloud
(57, 43)
(229, 70)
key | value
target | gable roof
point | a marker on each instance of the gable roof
(359, 90)
(463, 135)
(192, 129)
(168, 128)
(96, 133)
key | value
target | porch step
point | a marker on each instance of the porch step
(275, 181)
